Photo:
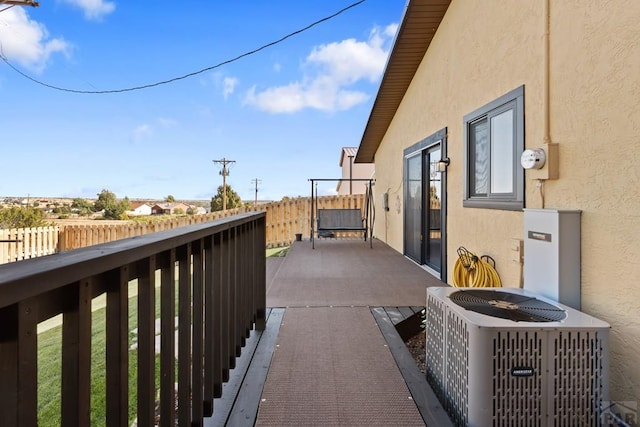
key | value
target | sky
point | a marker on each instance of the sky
(282, 113)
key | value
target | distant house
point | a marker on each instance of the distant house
(199, 210)
(139, 208)
(169, 208)
(351, 170)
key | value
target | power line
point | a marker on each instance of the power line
(175, 79)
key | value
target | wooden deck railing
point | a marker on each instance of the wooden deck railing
(219, 270)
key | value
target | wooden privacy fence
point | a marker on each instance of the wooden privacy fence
(289, 217)
(284, 219)
(17, 244)
(212, 273)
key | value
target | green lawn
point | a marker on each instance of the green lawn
(279, 251)
(50, 365)
(50, 358)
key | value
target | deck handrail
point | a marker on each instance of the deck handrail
(219, 270)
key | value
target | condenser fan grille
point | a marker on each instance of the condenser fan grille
(505, 305)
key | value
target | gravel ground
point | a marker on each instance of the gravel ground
(416, 347)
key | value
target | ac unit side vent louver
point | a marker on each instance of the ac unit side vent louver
(517, 397)
(435, 344)
(577, 369)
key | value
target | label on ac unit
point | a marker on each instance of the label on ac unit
(522, 371)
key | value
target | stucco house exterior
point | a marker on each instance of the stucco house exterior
(470, 86)
(351, 170)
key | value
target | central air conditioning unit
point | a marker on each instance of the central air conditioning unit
(508, 357)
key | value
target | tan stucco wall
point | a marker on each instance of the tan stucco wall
(483, 50)
(358, 171)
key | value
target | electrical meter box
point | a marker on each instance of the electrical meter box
(552, 254)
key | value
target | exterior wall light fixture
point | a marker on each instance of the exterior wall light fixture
(443, 164)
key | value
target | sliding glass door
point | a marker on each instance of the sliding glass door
(413, 208)
(425, 203)
(432, 255)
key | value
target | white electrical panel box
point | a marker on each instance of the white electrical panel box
(552, 254)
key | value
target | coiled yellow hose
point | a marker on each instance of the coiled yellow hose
(479, 273)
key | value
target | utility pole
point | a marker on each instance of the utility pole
(224, 172)
(256, 181)
(350, 175)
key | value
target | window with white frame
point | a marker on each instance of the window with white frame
(494, 141)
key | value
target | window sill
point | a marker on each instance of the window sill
(494, 204)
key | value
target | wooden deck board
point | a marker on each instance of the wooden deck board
(241, 394)
(425, 399)
(222, 406)
(406, 312)
(394, 314)
(245, 409)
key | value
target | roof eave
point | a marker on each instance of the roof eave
(419, 25)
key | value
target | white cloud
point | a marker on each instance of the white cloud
(141, 132)
(330, 72)
(167, 122)
(145, 131)
(228, 86)
(225, 84)
(351, 60)
(391, 30)
(93, 9)
(27, 42)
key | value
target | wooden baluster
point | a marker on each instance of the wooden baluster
(184, 335)
(198, 331)
(76, 356)
(167, 339)
(219, 308)
(211, 345)
(146, 341)
(117, 347)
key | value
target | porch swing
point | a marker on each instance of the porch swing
(327, 222)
